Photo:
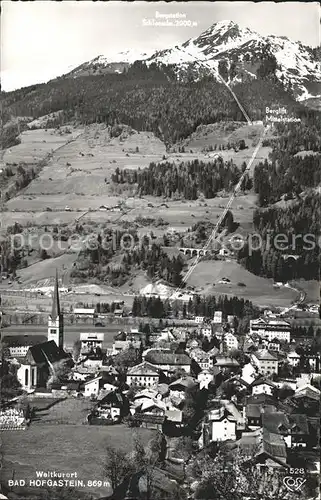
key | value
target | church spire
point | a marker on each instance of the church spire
(55, 320)
(55, 311)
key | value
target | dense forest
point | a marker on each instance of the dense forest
(146, 99)
(288, 181)
(294, 162)
(187, 179)
(95, 260)
(291, 230)
(289, 176)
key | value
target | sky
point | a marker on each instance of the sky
(44, 39)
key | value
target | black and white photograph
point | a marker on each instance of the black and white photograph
(160, 234)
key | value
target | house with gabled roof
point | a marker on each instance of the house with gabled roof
(230, 340)
(94, 385)
(37, 365)
(307, 391)
(179, 387)
(112, 405)
(143, 375)
(263, 385)
(266, 362)
(268, 449)
(168, 361)
(294, 427)
(225, 363)
(224, 422)
(293, 358)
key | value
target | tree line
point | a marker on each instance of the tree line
(198, 306)
(188, 179)
(286, 231)
(289, 176)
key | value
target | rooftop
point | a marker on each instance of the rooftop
(226, 361)
(23, 340)
(92, 336)
(261, 381)
(144, 368)
(265, 355)
(167, 358)
(184, 382)
(274, 445)
(47, 352)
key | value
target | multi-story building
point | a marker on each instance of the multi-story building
(266, 362)
(225, 422)
(207, 331)
(142, 375)
(18, 345)
(168, 361)
(91, 341)
(263, 386)
(218, 317)
(293, 358)
(271, 328)
(230, 340)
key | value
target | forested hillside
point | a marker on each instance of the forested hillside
(146, 99)
(293, 230)
(188, 179)
(292, 173)
(294, 163)
(96, 260)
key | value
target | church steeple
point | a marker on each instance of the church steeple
(55, 311)
(55, 320)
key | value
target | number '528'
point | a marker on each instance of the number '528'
(297, 471)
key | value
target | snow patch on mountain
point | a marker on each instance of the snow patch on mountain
(297, 65)
(127, 56)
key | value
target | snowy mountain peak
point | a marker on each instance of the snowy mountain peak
(297, 66)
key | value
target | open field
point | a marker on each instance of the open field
(176, 213)
(36, 144)
(259, 290)
(71, 411)
(64, 448)
(223, 133)
(81, 166)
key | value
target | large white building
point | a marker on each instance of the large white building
(218, 317)
(19, 345)
(265, 362)
(90, 341)
(230, 340)
(271, 328)
(225, 422)
(143, 375)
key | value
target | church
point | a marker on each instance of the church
(37, 365)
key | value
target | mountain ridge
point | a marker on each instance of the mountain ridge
(296, 65)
